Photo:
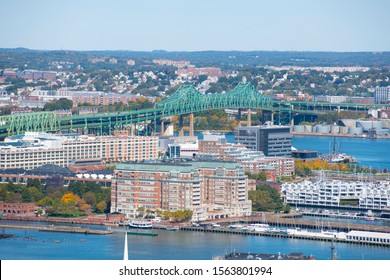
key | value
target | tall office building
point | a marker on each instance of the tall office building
(382, 95)
(273, 141)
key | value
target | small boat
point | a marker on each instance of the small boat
(171, 228)
(258, 227)
(236, 226)
(370, 219)
(140, 224)
(262, 256)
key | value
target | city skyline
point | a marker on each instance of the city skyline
(196, 25)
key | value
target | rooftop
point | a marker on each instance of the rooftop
(186, 166)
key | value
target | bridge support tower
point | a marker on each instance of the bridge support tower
(248, 121)
(189, 128)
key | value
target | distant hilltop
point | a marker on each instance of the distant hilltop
(210, 57)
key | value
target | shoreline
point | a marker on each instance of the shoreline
(337, 135)
(293, 133)
(287, 220)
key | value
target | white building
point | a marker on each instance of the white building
(39, 148)
(332, 193)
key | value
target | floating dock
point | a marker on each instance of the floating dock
(144, 233)
(66, 229)
(281, 235)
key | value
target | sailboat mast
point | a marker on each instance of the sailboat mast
(126, 249)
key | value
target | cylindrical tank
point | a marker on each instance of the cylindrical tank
(344, 129)
(299, 128)
(355, 130)
(309, 128)
(334, 129)
(323, 128)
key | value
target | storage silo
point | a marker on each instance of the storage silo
(355, 130)
(335, 129)
(299, 128)
(308, 128)
(323, 128)
(344, 130)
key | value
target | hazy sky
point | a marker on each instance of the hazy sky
(144, 25)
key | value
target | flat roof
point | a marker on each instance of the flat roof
(369, 234)
(182, 167)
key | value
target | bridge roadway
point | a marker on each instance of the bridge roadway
(184, 101)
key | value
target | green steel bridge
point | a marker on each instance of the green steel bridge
(184, 101)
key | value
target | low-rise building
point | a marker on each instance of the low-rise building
(366, 195)
(17, 209)
(39, 148)
(250, 160)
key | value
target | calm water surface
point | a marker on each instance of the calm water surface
(168, 245)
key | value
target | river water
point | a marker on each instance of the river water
(168, 245)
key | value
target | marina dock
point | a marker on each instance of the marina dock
(293, 221)
(66, 229)
(280, 235)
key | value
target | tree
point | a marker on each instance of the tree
(3, 194)
(60, 104)
(26, 196)
(46, 201)
(35, 183)
(262, 176)
(90, 198)
(101, 206)
(35, 193)
(141, 211)
(70, 198)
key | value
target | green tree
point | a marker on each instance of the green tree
(46, 201)
(60, 104)
(26, 196)
(35, 193)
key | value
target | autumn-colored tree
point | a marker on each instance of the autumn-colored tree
(70, 198)
(101, 206)
(85, 207)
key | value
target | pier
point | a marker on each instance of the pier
(293, 220)
(280, 235)
(66, 229)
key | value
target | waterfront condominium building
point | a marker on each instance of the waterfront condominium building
(211, 189)
(364, 195)
(250, 160)
(273, 141)
(39, 148)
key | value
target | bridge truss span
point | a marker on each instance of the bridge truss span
(184, 101)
